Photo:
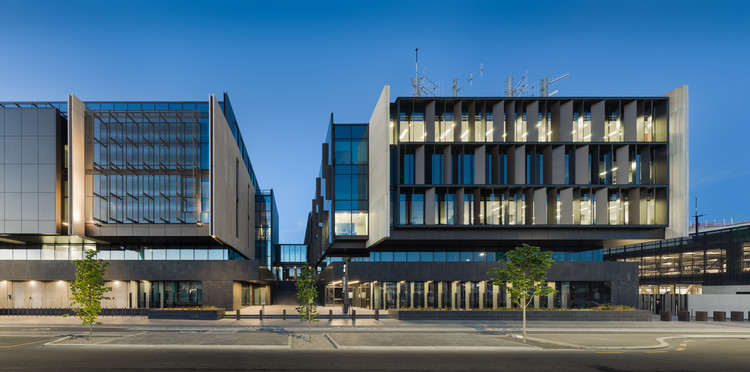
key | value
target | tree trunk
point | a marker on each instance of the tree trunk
(524, 317)
(309, 324)
(91, 330)
(524, 324)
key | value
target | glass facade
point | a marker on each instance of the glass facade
(614, 168)
(150, 163)
(350, 181)
(464, 295)
(718, 257)
(266, 228)
(70, 251)
(466, 255)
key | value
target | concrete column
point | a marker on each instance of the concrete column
(510, 121)
(566, 121)
(532, 119)
(419, 165)
(539, 206)
(597, 121)
(429, 121)
(479, 165)
(629, 116)
(566, 206)
(557, 165)
(623, 155)
(447, 160)
(582, 165)
(498, 121)
(429, 206)
(602, 207)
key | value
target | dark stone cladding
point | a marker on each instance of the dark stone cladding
(622, 275)
(512, 315)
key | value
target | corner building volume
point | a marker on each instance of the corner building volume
(420, 202)
(165, 191)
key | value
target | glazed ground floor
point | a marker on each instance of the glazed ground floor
(463, 295)
(229, 284)
(129, 294)
(466, 285)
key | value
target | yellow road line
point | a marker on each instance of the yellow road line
(680, 349)
(28, 343)
(654, 352)
(683, 345)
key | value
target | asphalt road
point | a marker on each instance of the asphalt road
(22, 352)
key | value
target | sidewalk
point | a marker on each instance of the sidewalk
(368, 334)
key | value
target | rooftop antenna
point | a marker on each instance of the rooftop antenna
(697, 215)
(546, 82)
(522, 88)
(422, 84)
(457, 81)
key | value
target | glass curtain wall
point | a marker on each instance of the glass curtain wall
(350, 180)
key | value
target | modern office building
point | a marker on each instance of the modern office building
(712, 261)
(418, 203)
(164, 191)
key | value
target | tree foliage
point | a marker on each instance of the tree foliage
(307, 293)
(88, 289)
(524, 276)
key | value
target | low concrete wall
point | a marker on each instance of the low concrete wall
(718, 302)
(550, 315)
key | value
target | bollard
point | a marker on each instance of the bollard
(330, 314)
(283, 314)
(377, 314)
(701, 316)
(261, 314)
(720, 316)
(666, 316)
(237, 315)
(354, 315)
(737, 316)
(683, 316)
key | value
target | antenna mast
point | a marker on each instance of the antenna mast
(422, 84)
(546, 82)
(519, 90)
(456, 81)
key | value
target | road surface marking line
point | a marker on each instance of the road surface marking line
(683, 345)
(28, 343)
(609, 352)
(680, 349)
(654, 352)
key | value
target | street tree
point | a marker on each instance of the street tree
(524, 276)
(88, 289)
(307, 293)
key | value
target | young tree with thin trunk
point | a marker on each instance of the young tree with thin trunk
(307, 293)
(524, 276)
(88, 289)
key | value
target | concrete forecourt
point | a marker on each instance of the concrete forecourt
(367, 344)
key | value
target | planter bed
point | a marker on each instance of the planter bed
(195, 314)
(550, 315)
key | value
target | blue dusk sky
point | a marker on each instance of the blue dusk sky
(288, 65)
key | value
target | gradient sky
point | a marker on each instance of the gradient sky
(288, 65)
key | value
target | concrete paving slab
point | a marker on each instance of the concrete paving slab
(600, 340)
(203, 338)
(348, 339)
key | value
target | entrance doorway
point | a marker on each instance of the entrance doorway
(259, 296)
